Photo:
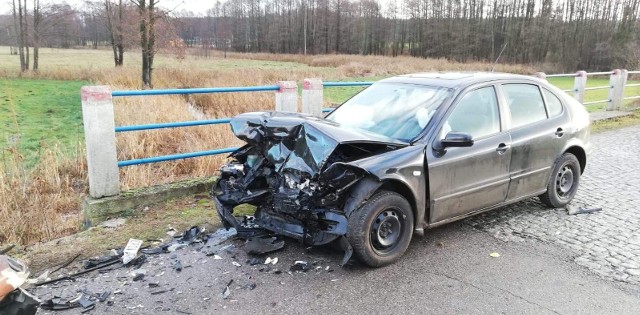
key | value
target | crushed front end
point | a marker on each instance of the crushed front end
(295, 170)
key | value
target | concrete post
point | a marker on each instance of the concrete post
(312, 98)
(100, 140)
(541, 75)
(578, 86)
(616, 94)
(287, 96)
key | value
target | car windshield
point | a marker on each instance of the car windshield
(395, 110)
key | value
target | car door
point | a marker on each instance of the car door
(537, 129)
(465, 179)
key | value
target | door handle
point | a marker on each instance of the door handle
(502, 148)
(559, 132)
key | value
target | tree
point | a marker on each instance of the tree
(146, 10)
(20, 25)
(114, 19)
(37, 19)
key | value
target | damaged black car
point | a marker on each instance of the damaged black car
(406, 154)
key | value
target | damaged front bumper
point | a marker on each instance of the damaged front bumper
(296, 171)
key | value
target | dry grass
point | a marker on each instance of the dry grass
(42, 203)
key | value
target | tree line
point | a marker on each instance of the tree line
(570, 34)
(574, 34)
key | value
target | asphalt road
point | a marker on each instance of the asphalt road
(550, 263)
(447, 272)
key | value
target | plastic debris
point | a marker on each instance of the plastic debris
(14, 300)
(263, 245)
(192, 235)
(269, 260)
(255, 261)
(58, 304)
(216, 257)
(138, 274)
(176, 264)
(235, 263)
(299, 266)
(582, 210)
(227, 291)
(494, 255)
(131, 250)
(174, 247)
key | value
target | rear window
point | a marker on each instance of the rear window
(554, 105)
(525, 104)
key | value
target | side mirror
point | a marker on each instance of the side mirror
(457, 139)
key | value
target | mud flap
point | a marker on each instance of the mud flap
(346, 247)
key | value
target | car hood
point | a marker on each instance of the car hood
(305, 143)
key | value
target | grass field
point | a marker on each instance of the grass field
(36, 113)
(42, 167)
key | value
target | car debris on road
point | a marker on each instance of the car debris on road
(13, 299)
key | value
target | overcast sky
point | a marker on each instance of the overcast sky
(198, 7)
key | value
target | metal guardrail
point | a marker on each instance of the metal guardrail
(100, 132)
(199, 122)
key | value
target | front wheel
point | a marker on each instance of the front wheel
(564, 182)
(380, 230)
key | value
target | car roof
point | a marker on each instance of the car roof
(455, 79)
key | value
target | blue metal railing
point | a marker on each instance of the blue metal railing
(196, 91)
(199, 122)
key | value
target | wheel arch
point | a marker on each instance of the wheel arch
(403, 189)
(580, 154)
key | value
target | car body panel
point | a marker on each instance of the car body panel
(442, 185)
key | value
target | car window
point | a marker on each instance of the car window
(525, 104)
(477, 114)
(396, 110)
(554, 106)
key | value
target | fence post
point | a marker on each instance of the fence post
(287, 96)
(312, 97)
(579, 84)
(617, 81)
(100, 140)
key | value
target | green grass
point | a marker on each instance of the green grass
(35, 114)
(566, 83)
(341, 94)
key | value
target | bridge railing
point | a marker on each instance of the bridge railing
(100, 130)
(616, 87)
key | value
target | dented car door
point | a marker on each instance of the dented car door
(465, 179)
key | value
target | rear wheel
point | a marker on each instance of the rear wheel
(564, 182)
(380, 230)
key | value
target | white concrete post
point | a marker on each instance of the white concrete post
(578, 86)
(312, 98)
(541, 75)
(287, 96)
(100, 140)
(616, 94)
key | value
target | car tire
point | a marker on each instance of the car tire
(563, 182)
(380, 230)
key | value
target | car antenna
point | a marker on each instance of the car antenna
(499, 55)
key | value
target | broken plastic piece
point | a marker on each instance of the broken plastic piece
(19, 302)
(227, 291)
(263, 245)
(138, 274)
(255, 261)
(495, 255)
(300, 265)
(131, 250)
(236, 264)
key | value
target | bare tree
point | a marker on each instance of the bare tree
(37, 19)
(115, 27)
(146, 10)
(18, 21)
